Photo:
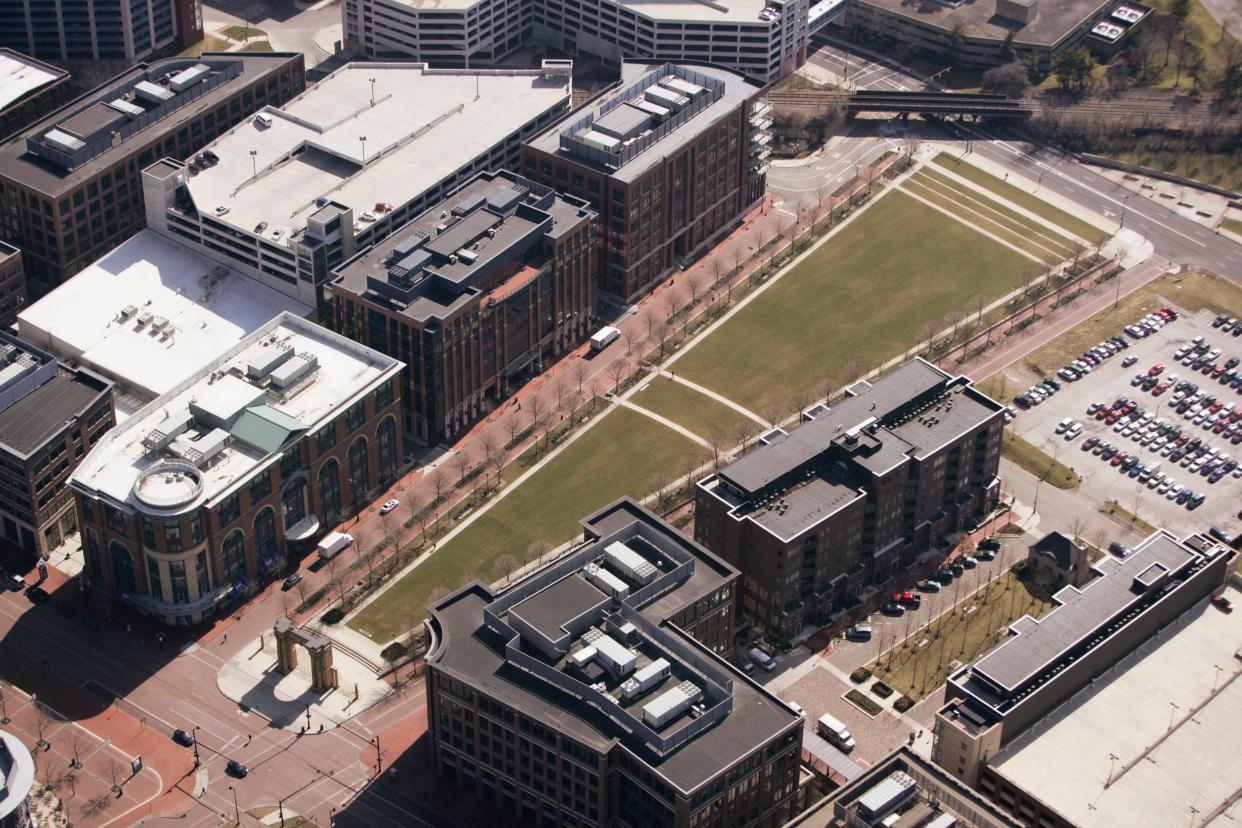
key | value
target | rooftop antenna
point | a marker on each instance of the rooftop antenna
(476, 86)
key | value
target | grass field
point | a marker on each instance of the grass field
(256, 46)
(1233, 225)
(1020, 197)
(1192, 291)
(1038, 462)
(690, 409)
(863, 296)
(207, 44)
(242, 32)
(1028, 233)
(621, 455)
(924, 660)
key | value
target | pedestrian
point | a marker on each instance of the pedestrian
(248, 738)
(225, 638)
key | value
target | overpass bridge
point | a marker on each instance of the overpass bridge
(977, 104)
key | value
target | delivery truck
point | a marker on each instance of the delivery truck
(332, 544)
(604, 337)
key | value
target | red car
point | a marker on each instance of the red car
(1160, 389)
(1103, 413)
(1117, 459)
(1155, 370)
(1219, 427)
(1222, 603)
(1168, 313)
(912, 600)
(1217, 371)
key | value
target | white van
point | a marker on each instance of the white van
(835, 732)
(263, 120)
(763, 659)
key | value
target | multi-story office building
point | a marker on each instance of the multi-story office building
(207, 489)
(70, 186)
(762, 39)
(29, 88)
(1106, 709)
(595, 692)
(121, 30)
(671, 160)
(298, 190)
(903, 789)
(12, 284)
(50, 416)
(17, 776)
(473, 296)
(860, 490)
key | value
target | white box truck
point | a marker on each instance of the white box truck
(763, 659)
(604, 337)
(835, 732)
(332, 544)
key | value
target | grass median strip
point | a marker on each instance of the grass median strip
(1027, 201)
(623, 455)
(1038, 462)
(690, 409)
(862, 297)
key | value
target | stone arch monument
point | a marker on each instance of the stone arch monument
(323, 674)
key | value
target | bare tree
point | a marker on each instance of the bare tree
(439, 485)
(391, 526)
(689, 470)
(595, 386)
(694, 284)
(630, 338)
(77, 744)
(512, 427)
(660, 332)
(536, 551)
(506, 564)
(493, 455)
(674, 300)
(926, 332)
(659, 483)
(617, 371)
(742, 431)
(716, 437)
(42, 724)
(579, 372)
(115, 773)
(538, 416)
(718, 270)
(460, 461)
(559, 392)
(799, 400)
(772, 414)
(828, 387)
(854, 369)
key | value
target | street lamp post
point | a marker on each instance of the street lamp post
(194, 737)
(372, 80)
(363, 140)
(1173, 708)
(236, 810)
(254, 164)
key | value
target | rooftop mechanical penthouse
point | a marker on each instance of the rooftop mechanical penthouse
(598, 693)
(853, 494)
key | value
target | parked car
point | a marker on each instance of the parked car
(927, 586)
(292, 581)
(991, 544)
(236, 769)
(893, 608)
(1222, 603)
(388, 506)
(183, 738)
(858, 632)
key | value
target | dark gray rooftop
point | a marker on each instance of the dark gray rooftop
(548, 609)
(1061, 548)
(89, 115)
(26, 425)
(805, 505)
(1054, 20)
(1082, 613)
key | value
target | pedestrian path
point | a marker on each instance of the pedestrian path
(720, 398)
(665, 421)
(971, 225)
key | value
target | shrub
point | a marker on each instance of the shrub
(863, 703)
(903, 704)
(332, 616)
(312, 599)
(881, 689)
(860, 675)
(394, 652)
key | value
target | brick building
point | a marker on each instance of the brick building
(12, 284)
(29, 89)
(50, 416)
(671, 161)
(71, 186)
(473, 296)
(596, 693)
(854, 495)
(92, 30)
(206, 491)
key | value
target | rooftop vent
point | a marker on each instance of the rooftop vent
(670, 704)
(294, 370)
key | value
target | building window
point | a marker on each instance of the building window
(196, 528)
(326, 439)
(355, 417)
(176, 577)
(172, 537)
(260, 488)
(153, 579)
(115, 521)
(234, 554)
(330, 490)
(289, 464)
(200, 573)
(230, 509)
(265, 537)
(359, 472)
(88, 510)
(122, 568)
(383, 397)
(148, 533)
(93, 557)
(387, 436)
(294, 501)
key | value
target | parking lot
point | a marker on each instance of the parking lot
(1102, 480)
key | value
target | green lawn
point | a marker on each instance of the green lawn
(1020, 197)
(936, 194)
(256, 46)
(690, 409)
(1036, 236)
(620, 456)
(862, 297)
(242, 32)
(1038, 462)
(1233, 225)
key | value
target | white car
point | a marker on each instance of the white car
(222, 209)
(1073, 431)
(1064, 425)
(1174, 491)
(388, 506)
(369, 216)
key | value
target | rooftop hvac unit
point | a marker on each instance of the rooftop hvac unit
(468, 205)
(267, 360)
(63, 141)
(200, 452)
(670, 704)
(151, 92)
(294, 370)
(615, 657)
(145, 317)
(646, 679)
(184, 80)
(128, 311)
(629, 563)
(887, 796)
(583, 657)
(467, 256)
(174, 425)
(159, 323)
(606, 582)
(129, 109)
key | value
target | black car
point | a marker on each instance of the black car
(183, 738)
(1118, 548)
(236, 769)
(985, 555)
(1220, 320)
(1022, 401)
(15, 583)
(944, 576)
(291, 581)
(989, 543)
(211, 156)
(37, 595)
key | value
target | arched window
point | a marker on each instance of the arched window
(293, 499)
(387, 435)
(122, 568)
(265, 535)
(359, 472)
(330, 490)
(234, 554)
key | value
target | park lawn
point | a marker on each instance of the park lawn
(622, 455)
(207, 44)
(1033, 229)
(257, 46)
(1027, 201)
(959, 638)
(953, 204)
(859, 299)
(1233, 225)
(1038, 462)
(1193, 292)
(242, 32)
(691, 409)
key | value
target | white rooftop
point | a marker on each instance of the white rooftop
(345, 373)
(424, 126)
(207, 313)
(19, 76)
(739, 11)
(1156, 709)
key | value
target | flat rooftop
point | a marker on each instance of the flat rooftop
(17, 773)
(21, 75)
(420, 126)
(490, 224)
(805, 504)
(1162, 723)
(720, 11)
(638, 137)
(207, 307)
(225, 406)
(28, 423)
(90, 118)
(1054, 20)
